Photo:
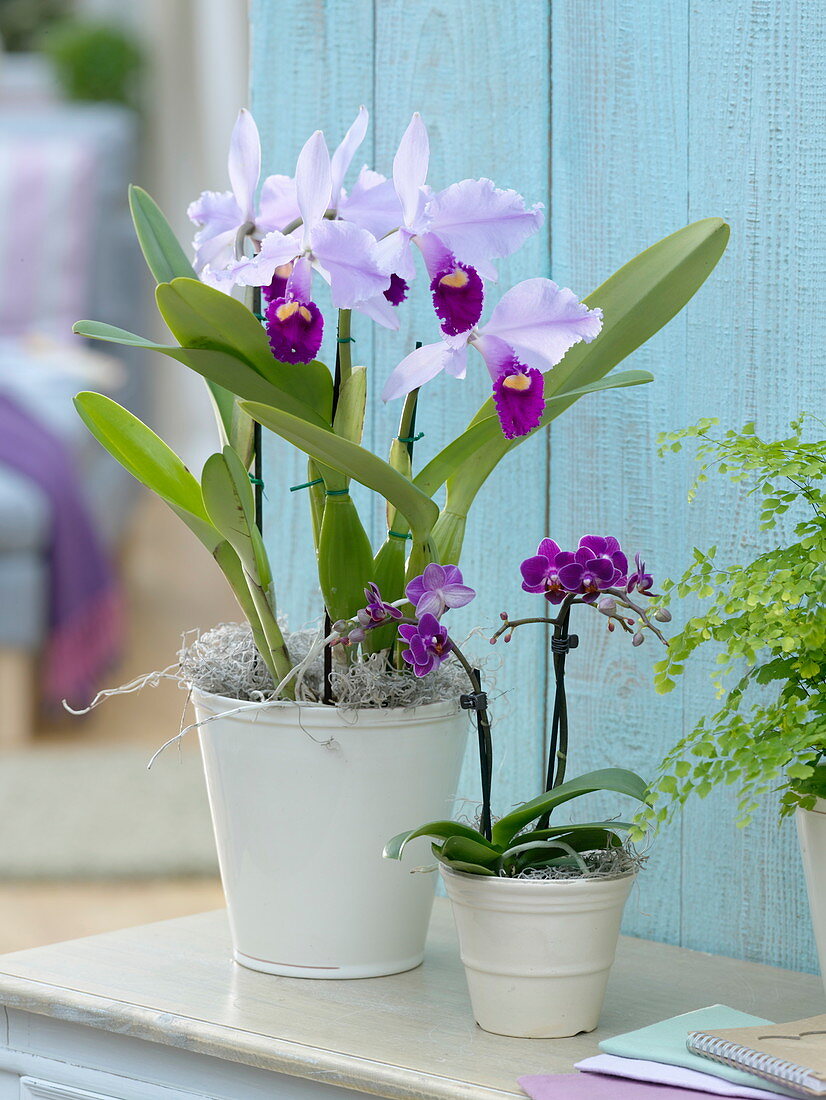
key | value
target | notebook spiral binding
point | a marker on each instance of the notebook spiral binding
(739, 1057)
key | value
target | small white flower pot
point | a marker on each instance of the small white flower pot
(303, 800)
(537, 953)
(811, 832)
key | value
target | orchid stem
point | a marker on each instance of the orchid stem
(344, 356)
(485, 739)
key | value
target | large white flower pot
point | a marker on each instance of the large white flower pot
(303, 800)
(537, 954)
(811, 831)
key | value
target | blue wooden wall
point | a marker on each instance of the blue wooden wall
(628, 119)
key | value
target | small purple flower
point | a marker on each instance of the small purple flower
(295, 326)
(396, 293)
(610, 549)
(437, 589)
(519, 397)
(541, 572)
(598, 563)
(639, 579)
(377, 611)
(428, 644)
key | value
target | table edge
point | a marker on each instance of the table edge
(264, 1052)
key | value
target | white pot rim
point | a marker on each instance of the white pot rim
(504, 884)
(321, 714)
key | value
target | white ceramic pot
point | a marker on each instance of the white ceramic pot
(303, 800)
(537, 954)
(811, 831)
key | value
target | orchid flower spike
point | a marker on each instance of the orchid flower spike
(220, 215)
(529, 331)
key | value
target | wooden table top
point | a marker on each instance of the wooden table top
(403, 1036)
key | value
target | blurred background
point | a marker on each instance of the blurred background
(96, 581)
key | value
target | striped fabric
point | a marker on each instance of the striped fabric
(46, 232)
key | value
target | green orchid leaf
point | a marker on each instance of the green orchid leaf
(636, 301)
(437, 830)
(345, 558)
(462, 865)
(589, 839)
(619, 780)
(201, 317)
(231, 566)
(145, 455)
(468, 851)
(354, 461)
(622, 379)
(225, 373)
(450, 458)
(163, 253)
(230, 504)
(352, 402)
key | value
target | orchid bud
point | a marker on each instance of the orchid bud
(341, 626)
(503, 615)
(662, 615)
(358, 634)
(638, 638)
(611, 626)
(607, 605)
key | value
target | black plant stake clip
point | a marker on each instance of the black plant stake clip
(477, 701)
(561, 644)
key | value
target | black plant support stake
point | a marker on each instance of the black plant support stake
(477, 701)
(327, 695)
(258, 461)
(561, 643)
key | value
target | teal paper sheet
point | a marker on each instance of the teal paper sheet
(665, 1042)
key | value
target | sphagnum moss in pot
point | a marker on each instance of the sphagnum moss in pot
(537, 904)
(298, 763)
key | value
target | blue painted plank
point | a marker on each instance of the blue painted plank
(757, 79)
(619, 184)
(312, 67)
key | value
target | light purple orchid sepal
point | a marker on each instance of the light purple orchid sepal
(438, 588)
(221, 214)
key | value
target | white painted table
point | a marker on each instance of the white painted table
(162, 1013)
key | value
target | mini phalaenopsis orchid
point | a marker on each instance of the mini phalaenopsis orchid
(429, 596)
(596, 574)
(524, 842)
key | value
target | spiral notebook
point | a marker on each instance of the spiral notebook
(792, 1055)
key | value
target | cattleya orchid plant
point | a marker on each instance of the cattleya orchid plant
(524, 841)
(245, 313)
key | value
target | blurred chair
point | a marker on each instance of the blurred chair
(66, 251)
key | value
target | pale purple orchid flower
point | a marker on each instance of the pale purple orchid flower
(438, 588)
(221, 214)
(344, 254)
(459, 231)
(529, 331)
